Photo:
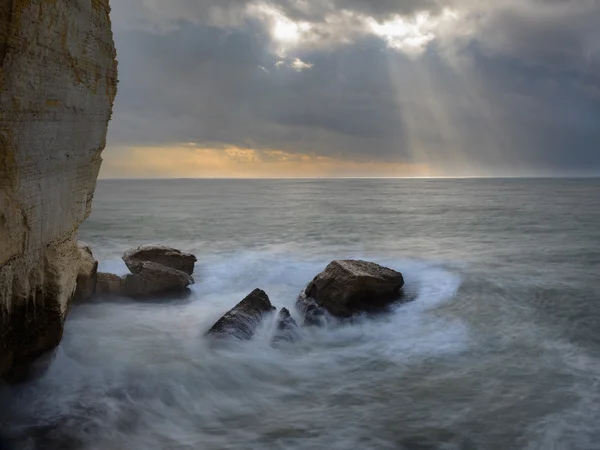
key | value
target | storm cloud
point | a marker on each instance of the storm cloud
(462, 86)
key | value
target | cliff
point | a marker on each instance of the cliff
(57, 85)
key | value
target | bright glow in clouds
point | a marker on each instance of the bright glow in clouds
(411, 35)
(298, 65)
(285, 32)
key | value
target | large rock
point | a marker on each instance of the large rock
(58, 79)
(166, 256)
(348, 287)
(241, 321)
(287, 329)
(154, 279)
(108, 284)
(86, 274)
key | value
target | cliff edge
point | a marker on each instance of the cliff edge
(58, 80)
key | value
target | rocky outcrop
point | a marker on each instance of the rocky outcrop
(86, 274)
(166, 256)
(108, 284)
(287, 329)
(150, 278)
(348, 287)
(154, 279)
(57, 84)
(241, 321)
(156, 269)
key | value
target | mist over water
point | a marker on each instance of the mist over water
(499, 350)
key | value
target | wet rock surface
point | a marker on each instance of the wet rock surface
(287, 329)
(348, 287)
(241, 321)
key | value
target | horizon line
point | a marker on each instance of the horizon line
(475, 177)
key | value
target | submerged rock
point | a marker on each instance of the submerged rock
(159, 254)
(153, 279)
(241, 321)
(347, 287)
(86, 274)
(108, 284)
(287, 328)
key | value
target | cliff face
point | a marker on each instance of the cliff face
(57, 85)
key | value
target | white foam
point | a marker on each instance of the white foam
(157, 352)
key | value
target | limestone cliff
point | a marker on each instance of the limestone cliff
(57, 85)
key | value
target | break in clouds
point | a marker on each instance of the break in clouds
(462, 86)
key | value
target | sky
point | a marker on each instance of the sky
(355, 88)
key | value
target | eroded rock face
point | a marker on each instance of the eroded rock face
(153, 279)
(166, 256)
(57, 84)
(348, 287)
(241, 321)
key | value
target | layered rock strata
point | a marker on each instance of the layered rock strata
(58, 80)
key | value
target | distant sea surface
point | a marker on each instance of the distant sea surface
(500, 350)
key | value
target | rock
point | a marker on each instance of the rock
(86, 274)
(348, 287)
(241, 321)
(287, 328)
(108, 284)
(52, 132)
(166, 256)
(313, 314)
(153, 279)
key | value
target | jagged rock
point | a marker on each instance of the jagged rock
(108, 284)
(166, 256)
(287, 328)
(347, 287)
(153, 279)
(313, 314)
(241, 321)
(52, 132)
(86, 275)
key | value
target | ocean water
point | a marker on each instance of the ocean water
(499, 350)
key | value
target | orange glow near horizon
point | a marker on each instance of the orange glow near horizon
(187, 161)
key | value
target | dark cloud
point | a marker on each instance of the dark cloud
(513, 87)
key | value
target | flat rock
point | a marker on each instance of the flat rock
(348, 287)
(287, 329)
(154, 279)
(160, 254)
(241, 321)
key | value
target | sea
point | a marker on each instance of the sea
(498, 350)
